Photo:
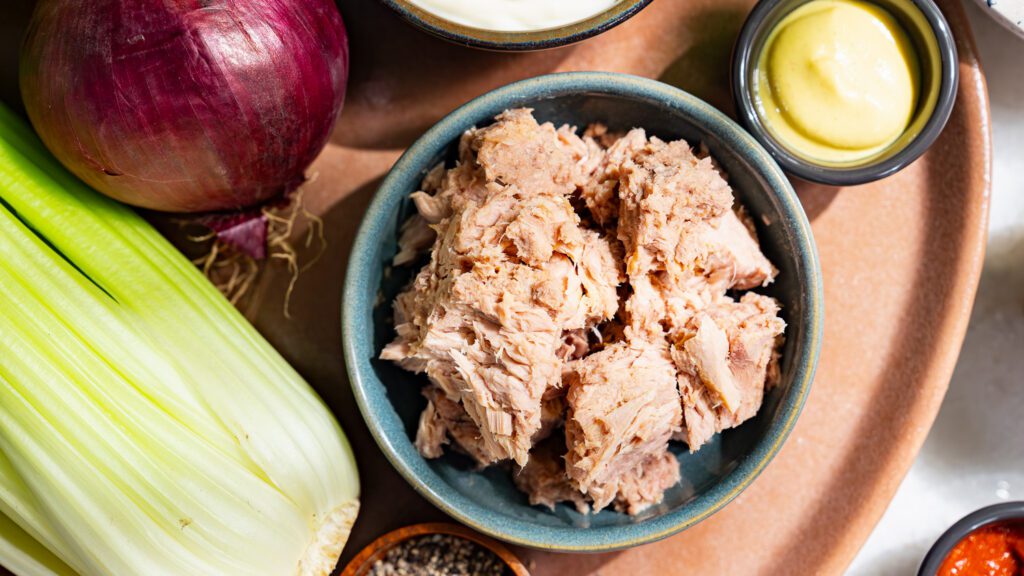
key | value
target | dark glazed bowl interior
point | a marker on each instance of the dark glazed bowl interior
(926, 128)
(517, 41)
(994, 515)
(486, 500)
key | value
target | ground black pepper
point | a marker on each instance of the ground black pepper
(439, 555)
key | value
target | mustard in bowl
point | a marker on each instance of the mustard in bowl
(845, 91)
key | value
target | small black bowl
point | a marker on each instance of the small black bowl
(936, 48)
(988, 516)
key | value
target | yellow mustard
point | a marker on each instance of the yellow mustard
(838, 80)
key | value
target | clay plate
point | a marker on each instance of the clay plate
(900, 257)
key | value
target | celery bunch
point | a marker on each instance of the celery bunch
(145, 426)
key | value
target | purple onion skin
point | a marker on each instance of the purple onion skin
(186, 105)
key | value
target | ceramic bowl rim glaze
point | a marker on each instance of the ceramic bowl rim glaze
(387, 427)
(987, 516)
(744, 60)
(516, 41)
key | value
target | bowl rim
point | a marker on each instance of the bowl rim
(743, 60)
(987, 516)
(369, 390)
(513, 40)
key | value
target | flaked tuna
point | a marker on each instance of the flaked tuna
(511, 270)
(726, 359)
(544, 478)
(584, 283)
(645, 486)
(623, 409)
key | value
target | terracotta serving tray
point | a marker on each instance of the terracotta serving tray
(901, 260)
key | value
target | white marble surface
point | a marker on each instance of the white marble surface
(1010, 13)
(974, 455)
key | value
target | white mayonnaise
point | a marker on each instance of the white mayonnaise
(515, 15)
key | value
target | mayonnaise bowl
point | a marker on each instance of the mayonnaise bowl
(845, 92)
(515, 15)
(515, 25)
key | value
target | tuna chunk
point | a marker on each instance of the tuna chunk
(544, 480)
(599, 266)
(708, 351)
(645, 486)
(623, 408)
(725, 251)
(552, 413)
(725, 364)
(717, 256)
(510, 272)
(415, 237)
(601, 192)
(444, 419)
(575, 345)
(432, 432)
(665, 193)
(537, 157)
(685, 246)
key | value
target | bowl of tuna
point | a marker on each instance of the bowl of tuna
(583, 312)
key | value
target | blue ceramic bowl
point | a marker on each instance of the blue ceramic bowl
(486, 500)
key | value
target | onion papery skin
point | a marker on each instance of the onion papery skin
(186, 105)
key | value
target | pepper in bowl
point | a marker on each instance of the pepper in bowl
(435, 549)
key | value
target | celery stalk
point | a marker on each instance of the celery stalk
(145, 426)
(168, 290)
(19, 509)
(26, 556)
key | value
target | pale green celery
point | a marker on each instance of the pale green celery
(19, 506)
(172, 296)
(132, 450)
(26, 556)
(93, 314)
(154, 429)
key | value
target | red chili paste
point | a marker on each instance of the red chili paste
(988, 551)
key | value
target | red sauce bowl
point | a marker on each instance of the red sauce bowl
(989, 527)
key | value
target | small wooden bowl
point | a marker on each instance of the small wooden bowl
(361, 564)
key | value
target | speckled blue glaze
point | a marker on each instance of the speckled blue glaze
(486, 500)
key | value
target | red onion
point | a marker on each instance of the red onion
(186, 105)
